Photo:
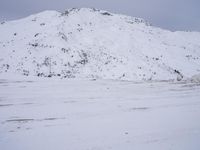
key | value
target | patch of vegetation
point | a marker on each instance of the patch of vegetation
(106, 14)
(63, 36)
(25, 72)
(3, 22)
(67, 12)
(36, 34)
(34, 44)
(42, 24)
(180, 76)
(64, 50)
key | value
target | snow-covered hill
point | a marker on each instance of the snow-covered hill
(96, 44)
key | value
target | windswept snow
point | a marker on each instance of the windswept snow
(49, 114)
(90, 43)
(94, 111)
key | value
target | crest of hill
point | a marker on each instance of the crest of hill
(91, 43)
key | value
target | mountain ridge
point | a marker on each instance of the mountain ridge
(94, 43)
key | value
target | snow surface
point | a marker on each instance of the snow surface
(90, 43)
(103, 101)
(52, 114)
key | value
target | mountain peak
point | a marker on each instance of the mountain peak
(87, 42)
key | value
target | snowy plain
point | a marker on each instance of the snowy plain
(80, 114)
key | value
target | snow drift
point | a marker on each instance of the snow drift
(92, 43)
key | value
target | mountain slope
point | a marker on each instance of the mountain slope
(98, 44)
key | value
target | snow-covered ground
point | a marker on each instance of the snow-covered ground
(78, 114)
(62, 83)
(96, 44)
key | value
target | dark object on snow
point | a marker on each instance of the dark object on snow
(180, 76)
(36, 34)
(42, 24)
(3, 22)
(106, 14)
(34, 44)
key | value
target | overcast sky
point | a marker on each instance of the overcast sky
(169, 14)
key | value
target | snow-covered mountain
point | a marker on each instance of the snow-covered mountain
(97, 44)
